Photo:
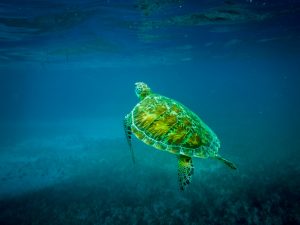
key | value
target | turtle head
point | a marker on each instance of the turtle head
(142, 90)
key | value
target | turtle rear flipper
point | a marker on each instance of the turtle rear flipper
(128, 133)
(226, 162)
(185, 171)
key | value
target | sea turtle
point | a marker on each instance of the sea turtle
(170, 126)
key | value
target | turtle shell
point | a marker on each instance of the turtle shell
(168, 125)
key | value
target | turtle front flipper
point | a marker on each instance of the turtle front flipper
(185, 171)
(226, 162)
(128, 133)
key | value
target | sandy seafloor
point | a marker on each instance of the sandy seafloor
(78, 176)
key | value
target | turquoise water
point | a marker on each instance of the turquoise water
(67, 74)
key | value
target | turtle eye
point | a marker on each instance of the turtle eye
(138, 90)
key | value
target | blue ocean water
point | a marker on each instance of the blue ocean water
(67, 75)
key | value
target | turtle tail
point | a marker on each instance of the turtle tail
(226, 162)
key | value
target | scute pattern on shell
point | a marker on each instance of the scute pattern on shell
(168, 125)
